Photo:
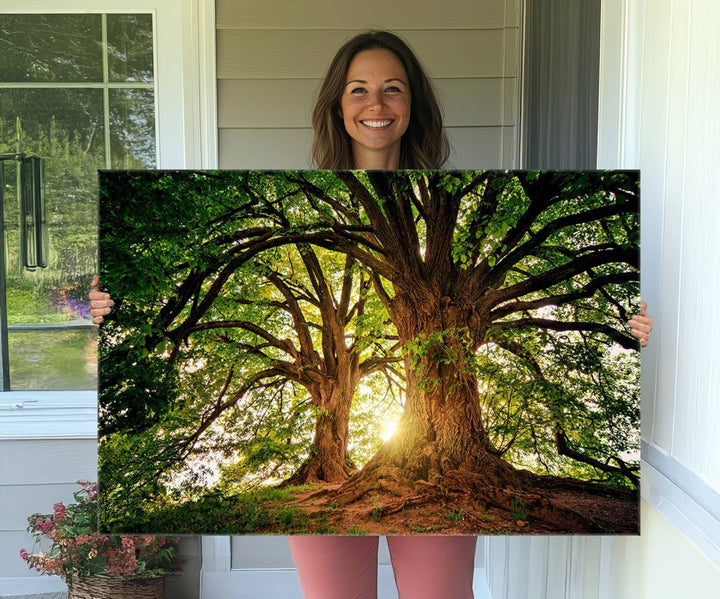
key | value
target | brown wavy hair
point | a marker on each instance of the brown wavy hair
(424, 144)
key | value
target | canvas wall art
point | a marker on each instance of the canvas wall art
(369, 352)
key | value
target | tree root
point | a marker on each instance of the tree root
(555, 505)
(413, 501)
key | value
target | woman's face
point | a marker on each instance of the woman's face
(375, 107)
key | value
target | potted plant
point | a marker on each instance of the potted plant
(94, 565)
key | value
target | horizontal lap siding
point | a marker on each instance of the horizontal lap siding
(678, 133)
(271, 60)
(306, 54)
(344, 14)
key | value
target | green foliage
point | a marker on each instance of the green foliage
(429, 350)
(455, 515)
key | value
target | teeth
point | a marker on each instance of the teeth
(376, 123)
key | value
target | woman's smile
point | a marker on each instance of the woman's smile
(376, 124)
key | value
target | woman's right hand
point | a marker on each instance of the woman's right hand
(100, 302)
(641, 325)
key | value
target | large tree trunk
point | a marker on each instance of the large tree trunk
(440, 431)
(329, 461)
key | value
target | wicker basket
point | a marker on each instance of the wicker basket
(116, 587)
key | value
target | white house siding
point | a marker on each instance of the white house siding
(271, 57)
(34, 475)
(660, 81)
(668, 125)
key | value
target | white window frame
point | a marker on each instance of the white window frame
(186, 130)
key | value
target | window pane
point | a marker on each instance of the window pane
(132, 128)
(53, 359)
(50, 48)
(130, 44)
(56, 124)
(65, 127)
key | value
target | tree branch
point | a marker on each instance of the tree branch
(586, 291)
(564, 272)
(623, 340)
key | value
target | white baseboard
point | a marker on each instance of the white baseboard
(236, 584)
(42, 587)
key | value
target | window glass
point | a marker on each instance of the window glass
(39, 48)
(132, 128)
(77, 91)
(53, 359)
(130, 44)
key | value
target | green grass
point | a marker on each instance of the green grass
(293, 519)
(377, 511)
(455, 515)
(260, 511)
(420, 529)
(519, 509)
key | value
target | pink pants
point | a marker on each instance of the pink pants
(425, 567)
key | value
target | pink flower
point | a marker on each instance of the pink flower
(121, 562)
(44, 526)
(53, 565)
(59, 512)
(72, 554)
(143, 541)
(128, 543)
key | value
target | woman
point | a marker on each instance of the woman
(377, 110)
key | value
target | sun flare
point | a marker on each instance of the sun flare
(388, 429)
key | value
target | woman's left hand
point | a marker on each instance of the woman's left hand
(100, 302)
(641, 325)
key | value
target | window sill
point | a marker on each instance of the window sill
(683, 498)
(48, 415)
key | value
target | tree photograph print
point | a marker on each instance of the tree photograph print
(369, 352)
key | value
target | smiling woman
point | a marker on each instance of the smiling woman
(375, 78)
(375, 107)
